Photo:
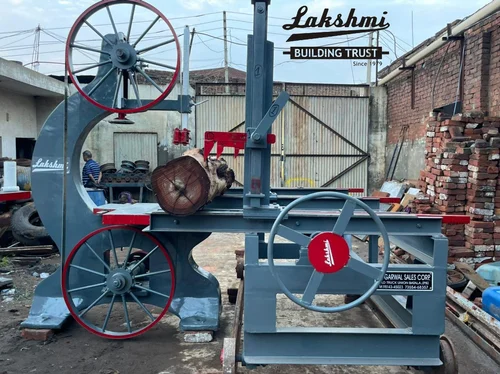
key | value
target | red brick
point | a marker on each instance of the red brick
(476, 224)
(37, 334)
(462, 252)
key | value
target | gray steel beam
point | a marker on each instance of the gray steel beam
(397, 315)
(306, 222)
(288, 191)
(346, 281)
(181, 105)
(331, 346)
(234, 201)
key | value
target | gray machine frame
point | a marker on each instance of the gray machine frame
(418, 324)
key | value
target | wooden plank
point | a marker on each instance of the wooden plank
(471, 275)
(380, 194)
(229, 356)
(34, 250)
(407, 200)
(238, 314)
(232, 344)
(396, 208)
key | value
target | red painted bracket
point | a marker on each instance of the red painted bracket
(389, 200)
(182, 136)
(454, 219)
(13, 196)
(139, 219)
(236, 140)
(356, 190)
(126, 219)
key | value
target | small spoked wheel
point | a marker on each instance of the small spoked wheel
(121, 50)
(448, 358)
(328, 252)
(118, 282)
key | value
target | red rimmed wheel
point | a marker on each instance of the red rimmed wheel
(122, 52)
(118, 282)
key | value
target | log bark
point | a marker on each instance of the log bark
(185, 185)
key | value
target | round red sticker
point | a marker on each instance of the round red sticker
(328, 252)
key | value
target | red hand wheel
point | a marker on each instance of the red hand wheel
(129, 50)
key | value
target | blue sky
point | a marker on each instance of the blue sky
(57, 16)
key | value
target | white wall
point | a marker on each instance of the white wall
(100, 139)
(21, 121)
(44, 107)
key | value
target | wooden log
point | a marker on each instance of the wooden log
(39, 250)
(188, 183)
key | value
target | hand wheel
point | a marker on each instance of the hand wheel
(328, 252)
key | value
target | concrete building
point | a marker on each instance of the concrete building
(26, 100)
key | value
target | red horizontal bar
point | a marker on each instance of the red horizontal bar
(356, 190)
(12, 196)
(126, 219)
(456, 219)
(390, 200)
(101, 210)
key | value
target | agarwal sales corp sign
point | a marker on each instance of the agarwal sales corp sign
(334, 26)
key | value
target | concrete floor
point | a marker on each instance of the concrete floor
(162, 349)
(220, 261)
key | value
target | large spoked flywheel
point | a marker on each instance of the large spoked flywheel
(118, 282)
(128, 42)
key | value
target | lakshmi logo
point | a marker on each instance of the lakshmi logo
(328, 254)
(345, 26)
(47, 165)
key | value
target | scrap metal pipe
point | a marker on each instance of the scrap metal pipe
(482, 13)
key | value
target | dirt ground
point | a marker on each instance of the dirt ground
(162, 350)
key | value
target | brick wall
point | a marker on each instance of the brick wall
(481, 81)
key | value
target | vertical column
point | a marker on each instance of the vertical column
(428, 309)
(258, 101)
(260, 305)
(373, 249)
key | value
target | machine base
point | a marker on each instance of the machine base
(48, 313)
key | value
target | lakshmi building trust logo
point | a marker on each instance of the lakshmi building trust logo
(340, 26)
(329, 260)
(47, 165)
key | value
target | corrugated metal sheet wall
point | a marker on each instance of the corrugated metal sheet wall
(136, 146)
(314, 154)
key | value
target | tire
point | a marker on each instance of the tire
(27, 227)
(456, 280)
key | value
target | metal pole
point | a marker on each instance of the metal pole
(185, 74)
(192, 39)
(65, 167)
(376, 69)
(226, 58)
(369, 67)
(283, 155)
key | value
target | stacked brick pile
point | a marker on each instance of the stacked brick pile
(482, 191)
(461, 177)
(444, 178)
